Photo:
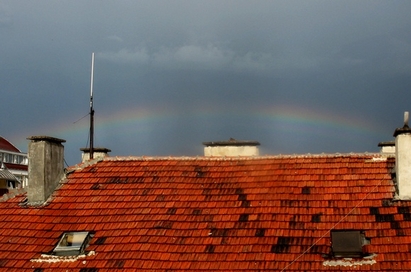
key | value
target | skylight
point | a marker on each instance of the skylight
(348, 243)
(72, 243)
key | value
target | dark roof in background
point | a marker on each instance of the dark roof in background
(5, 173)
(7, 146)
(163, 214)
(14, 166)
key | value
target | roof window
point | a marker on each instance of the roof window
(72, 243)
(348, 243)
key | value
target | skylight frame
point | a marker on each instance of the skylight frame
(79, 241)
(347, 243)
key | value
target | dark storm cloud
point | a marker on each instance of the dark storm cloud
(351, 59)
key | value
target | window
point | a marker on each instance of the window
(348, 243)
(25, 160)
(11, 184)
(6, 157)
(72, 243)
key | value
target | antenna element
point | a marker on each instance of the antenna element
(91, 109)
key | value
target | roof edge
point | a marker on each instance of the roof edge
(82, 165)
(230, 158)
(10, 143)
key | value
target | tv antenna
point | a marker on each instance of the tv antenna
(91, 109)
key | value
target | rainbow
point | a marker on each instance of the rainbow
(141, 120)
(300, 119)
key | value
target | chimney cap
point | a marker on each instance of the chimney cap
(405, 128)
(390, 143)
(232, 142)
(46, 138)
(95, 149)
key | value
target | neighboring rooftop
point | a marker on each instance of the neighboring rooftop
(8, 146)
(15, 163)
(5, 173)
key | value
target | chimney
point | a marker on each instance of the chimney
(387, 148)
(98, 152)
(46, 167)
(403, 160)
(231, 147)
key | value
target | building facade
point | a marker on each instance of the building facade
(15, 161)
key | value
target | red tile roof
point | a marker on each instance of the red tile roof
(225, 214)
(6, 145)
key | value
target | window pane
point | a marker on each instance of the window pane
(72, 243)
(73, 239)
(346, 243)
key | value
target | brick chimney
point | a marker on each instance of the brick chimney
(403, 159)
(98, 152)
(46, 167)
(231, 147)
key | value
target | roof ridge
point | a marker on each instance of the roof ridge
(228, 158)
(82, 165)
(12, 194)
(7, 142)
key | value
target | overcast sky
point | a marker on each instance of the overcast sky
(297, 76)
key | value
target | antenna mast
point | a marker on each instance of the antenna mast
(91, 109)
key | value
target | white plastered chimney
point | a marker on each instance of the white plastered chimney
(403, 159)
(231, 148)
(98, 152)
(387, 148)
